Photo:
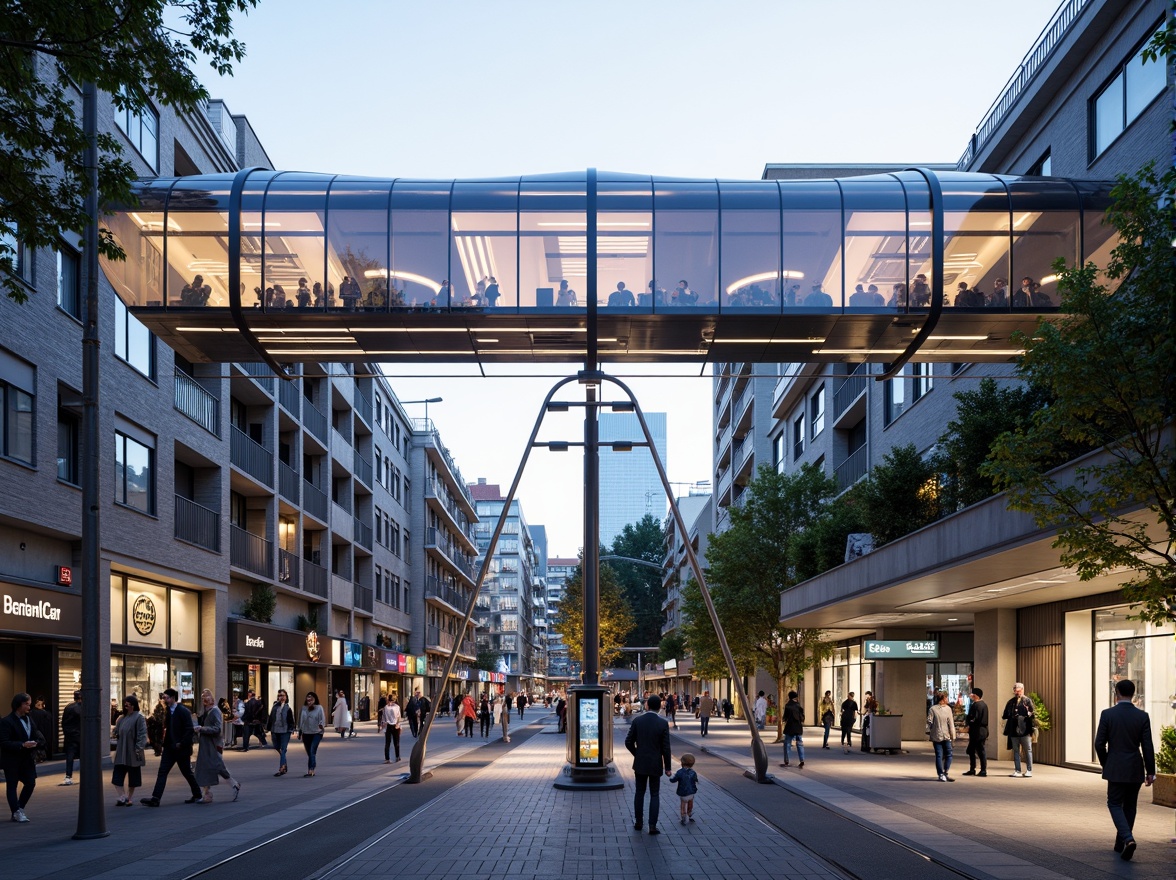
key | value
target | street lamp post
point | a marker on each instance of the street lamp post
(425, 401)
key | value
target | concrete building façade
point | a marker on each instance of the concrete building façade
(984, 582)
(219, 482)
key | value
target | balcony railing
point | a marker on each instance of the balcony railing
(196, 403)
(438, 589)
(364, 601)
(434, 488)
(362, 468)
(197, 524)
(852, 469)
(288, 482)
(847, 392)
(314, 420)
(363, 533)
(289, 568)
(251, 457)
(363, 406)
(314, 501)
(436, 538)
(290, 397)
(263, 375)
(314, 578)
(251, 552)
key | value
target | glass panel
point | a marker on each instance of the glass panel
(1117, 623)
(975, 242)
(686, 243)
(811, 232)
(420, 243)
(185, 620)
(750, 254)
(147, 614)
(484, 244)
(138, 279)
(624, 243)
(1098, 236)
(553, 246)
(1108, 115)
(198, 242)
(1045, 227)
(917, 292)
(357, 236)
(293, 228)
(1145, 80)
(875, 239)
(252, 200)
(183, 679)
(117, 621)
(145, 677)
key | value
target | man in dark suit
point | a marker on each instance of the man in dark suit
(255, 719)
(177, 749)
(19, 738)
(649, 742)
(1123, 731)
(977, 734)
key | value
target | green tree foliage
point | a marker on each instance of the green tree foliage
(748, 566)
(641, 585)
(261, 604)
(821, 546)
(900, 495)
(982, 415)
(616, 619)
(672, 646)
(1108, 366)
(47, 50)
(487, 659)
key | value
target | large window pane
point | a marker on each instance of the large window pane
(134, 476)
(133, 342)
(198, 243)
(1108, 114)
(18, 423)
(750, 254)
(686, 243)
(358, 243)
(975, 242)
(875, 240)
(295, 244)
(420, 242)
(624, 243)
(1144, 80)
(484, 223)
(1045, 227)
(811, 230)
(553, 244)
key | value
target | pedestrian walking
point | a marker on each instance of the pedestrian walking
(19, 740)
(687, 781)
(210, 761)
(728, 709)
(239, 720)
(504, 718)
(521, 703)
(413, 710)
(312, 723)
(484, 716)
(648, 740)
(468, 713)
(178, 730)
(706, 708)
(977, 734)
(280, 725)
(941, 731)
(341, 715)
(793, 729)
(155, 726)
(255, 718)
(849, 710)
(1020, 719)
(130, 752)
(389, 724)
(827, 710)
(1124, 747)
(71, 732)
(760, 710)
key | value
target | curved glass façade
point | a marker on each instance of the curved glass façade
(296, 243)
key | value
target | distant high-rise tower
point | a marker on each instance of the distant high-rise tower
(629, 484)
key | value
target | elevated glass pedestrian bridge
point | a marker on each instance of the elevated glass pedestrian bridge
(587, 266)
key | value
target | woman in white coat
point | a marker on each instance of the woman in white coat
(341, 715)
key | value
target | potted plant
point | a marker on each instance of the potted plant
(1041, 714)
(1164, 788)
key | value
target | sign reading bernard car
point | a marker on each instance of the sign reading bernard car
(39, 612)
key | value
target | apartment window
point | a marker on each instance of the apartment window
(798, 437)
(134, 473)
(778, 453)
(817, 412)
(21, 257)
(133, 342)
(1133, 87)
(18, 422)
(394, 537)
(923, 380)
(1043, 167)
(142, 129)
(69, 280)
(895, 397)
(379, 464)
(68, 432)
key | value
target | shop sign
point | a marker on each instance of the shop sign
(671, 666)
(462, 675)
(312, 646)
(249, 640)
(371, 657)
(65, 575)
(391, 662)
(405, 666)
(899, 650)
(420, 665)
(352, 654)
(143, 614)
(40, 612)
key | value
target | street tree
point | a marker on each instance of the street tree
(616, 619)
(641, 585)
(130, 50)
(1108, 366)
(749, 564)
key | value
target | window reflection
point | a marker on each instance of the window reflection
(975, 245)
(484, 245)
(876, 252)
(624, 244)
(750, 253)
(811, 231)
(553, 244)
(686, 244)
(420, 243)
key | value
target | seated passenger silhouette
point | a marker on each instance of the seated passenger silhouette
(817, 298)
(622, 296)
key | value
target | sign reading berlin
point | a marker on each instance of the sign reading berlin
(924, 650)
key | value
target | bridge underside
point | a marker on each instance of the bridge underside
(561, 336)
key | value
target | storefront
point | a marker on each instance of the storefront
(154, 641)
(846, 672)
(265, 659)
(40, 631)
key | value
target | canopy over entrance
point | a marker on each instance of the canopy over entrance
(288, 267)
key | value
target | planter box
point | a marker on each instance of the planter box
(886, 732)
(1164, 790)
